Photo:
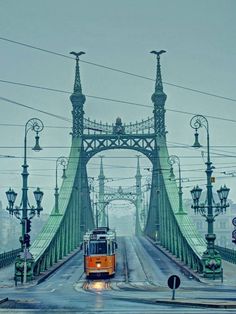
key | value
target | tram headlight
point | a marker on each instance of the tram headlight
(98, 265)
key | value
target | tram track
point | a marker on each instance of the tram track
(125, 263)
(138, 254)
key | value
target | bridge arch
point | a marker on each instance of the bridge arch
(94, 144)
(133, 194)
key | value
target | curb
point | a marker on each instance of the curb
(3, 300)
(195, 303)
(56, 267)
(202, 303)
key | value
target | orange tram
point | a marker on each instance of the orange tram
(100, 252)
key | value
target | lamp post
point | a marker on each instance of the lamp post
(62, 161)
(173, 159)
(211, 258)
(21, 212)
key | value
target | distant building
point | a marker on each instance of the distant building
(223, 226)
(10, 229)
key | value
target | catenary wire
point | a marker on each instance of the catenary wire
(117, 70)
(107, 99)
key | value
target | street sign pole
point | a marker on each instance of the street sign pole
(173, 291)
(173, 283)
(25, 264)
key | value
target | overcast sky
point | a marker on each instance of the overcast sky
(199, 37)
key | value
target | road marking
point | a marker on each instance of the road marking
(52, 290)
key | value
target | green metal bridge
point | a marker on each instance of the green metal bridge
(164, 223)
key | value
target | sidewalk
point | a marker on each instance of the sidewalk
(229, 273)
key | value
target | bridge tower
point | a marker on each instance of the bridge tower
(63, 232)
(77, 99)
(158, 98)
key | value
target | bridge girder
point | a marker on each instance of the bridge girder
(61, 233)
(143, 143)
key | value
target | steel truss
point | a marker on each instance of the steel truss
(143, 143)
(64, 230)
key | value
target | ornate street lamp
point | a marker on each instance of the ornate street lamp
(211, 258)
(11, 197)
(234, 231)
(173, 159)
(62, 161)
(21, 212)
(38, 195)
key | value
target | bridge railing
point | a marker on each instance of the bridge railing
(227, 254)
(7, 258)
(94, 127)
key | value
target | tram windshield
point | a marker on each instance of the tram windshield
(98, 247)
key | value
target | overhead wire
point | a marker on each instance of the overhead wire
(69, 120)
(103, 98)
(35, 109)
(116, 70)
(120, 157)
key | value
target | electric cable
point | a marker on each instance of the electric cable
(116, 70)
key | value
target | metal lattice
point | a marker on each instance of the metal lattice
(63, 231)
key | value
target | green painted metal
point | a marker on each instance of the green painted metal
(25, 212)
(181, 238)
(73, 215)
(64, 230)
(227, 254)
(165, 223)
(212, 266)
(96, 143)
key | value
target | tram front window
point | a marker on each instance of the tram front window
(98, 247)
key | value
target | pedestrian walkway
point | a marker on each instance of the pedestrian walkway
(229, 272)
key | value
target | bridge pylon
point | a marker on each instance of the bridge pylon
(63, 232)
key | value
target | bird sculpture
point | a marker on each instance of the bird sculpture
(158, 53)
(77, 54)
